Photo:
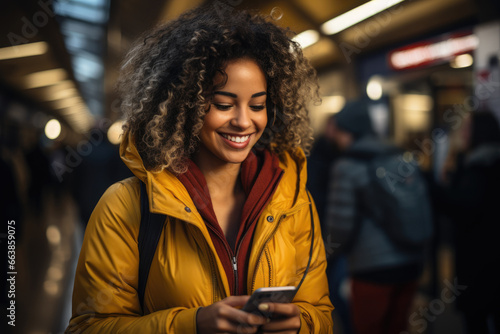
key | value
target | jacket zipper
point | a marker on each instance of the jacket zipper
(235, 274)
(264, 247)
(232, 258)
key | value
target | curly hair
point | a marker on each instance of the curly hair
(167, 83)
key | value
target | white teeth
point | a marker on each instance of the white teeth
(235, 138)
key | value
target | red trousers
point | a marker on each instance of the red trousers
(381, 308)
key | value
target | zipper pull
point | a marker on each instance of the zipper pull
(235, 264)
(235, 271)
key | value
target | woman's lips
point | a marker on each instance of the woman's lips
(235, 141)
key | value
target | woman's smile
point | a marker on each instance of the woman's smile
(236, 138)
(236, 141)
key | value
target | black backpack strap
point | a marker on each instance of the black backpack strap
(149, 235)
(311, 249)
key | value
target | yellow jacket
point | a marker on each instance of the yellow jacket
(186, 272)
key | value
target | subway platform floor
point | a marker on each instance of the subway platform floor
(47, 254)
(46, 261)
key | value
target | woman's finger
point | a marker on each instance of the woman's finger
(235, 301)
(241, 317)
(284, 309)
(282, 325)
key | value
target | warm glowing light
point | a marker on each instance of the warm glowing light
(71, 111)
(62, 94)
(53, 129)
(115, 132)
(417, 102)
(416, 111)
(332, 104)
(307, 38)
(356, 15)
(374, 88)
(23, 50)
(44, 78)
(55, 273)
(53, 235)
(462, 61)
(51, 287)
(68, 103)
(81, 121)
(58, 87)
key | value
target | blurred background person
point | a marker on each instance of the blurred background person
(319, 163)
(384, 274)
(470, 199)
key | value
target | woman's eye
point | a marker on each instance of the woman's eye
(222, 107)
(257, 108)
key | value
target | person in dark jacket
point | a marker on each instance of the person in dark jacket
(471, 201)
(383, 276)
(323, 155)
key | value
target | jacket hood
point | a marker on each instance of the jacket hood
(164, 188)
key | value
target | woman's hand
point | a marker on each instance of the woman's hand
(224, 317)
(285, 318)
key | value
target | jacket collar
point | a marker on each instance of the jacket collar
(168, 196)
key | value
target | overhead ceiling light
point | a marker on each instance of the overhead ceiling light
(82, 124)
(23, 50)
(356, 15)
(44, 78)
(307, 38)
(73, 110)
(68, 102)
(60, 86)
(62, 94)
(462, 61)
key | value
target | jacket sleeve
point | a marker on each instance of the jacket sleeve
(105, 292)
(313, 297)
(341, 204)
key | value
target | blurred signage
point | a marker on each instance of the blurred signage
(433, 51)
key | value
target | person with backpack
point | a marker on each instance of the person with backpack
(216, 133)
(378, 214)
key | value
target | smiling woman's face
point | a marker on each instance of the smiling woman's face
(237, 116)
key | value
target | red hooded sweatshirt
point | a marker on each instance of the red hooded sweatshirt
(260, 174)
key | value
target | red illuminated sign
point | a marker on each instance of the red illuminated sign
(431, 52)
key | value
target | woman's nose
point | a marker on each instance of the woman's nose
(242, 118)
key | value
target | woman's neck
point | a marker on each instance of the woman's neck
(222, 178)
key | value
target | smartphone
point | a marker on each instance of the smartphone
(277, 294)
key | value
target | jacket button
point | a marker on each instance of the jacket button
(270, 219)
(187, 209)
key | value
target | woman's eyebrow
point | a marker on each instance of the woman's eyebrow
(220, 92)
(259, 94)
(225, 94)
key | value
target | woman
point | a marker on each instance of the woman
(216, 128)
